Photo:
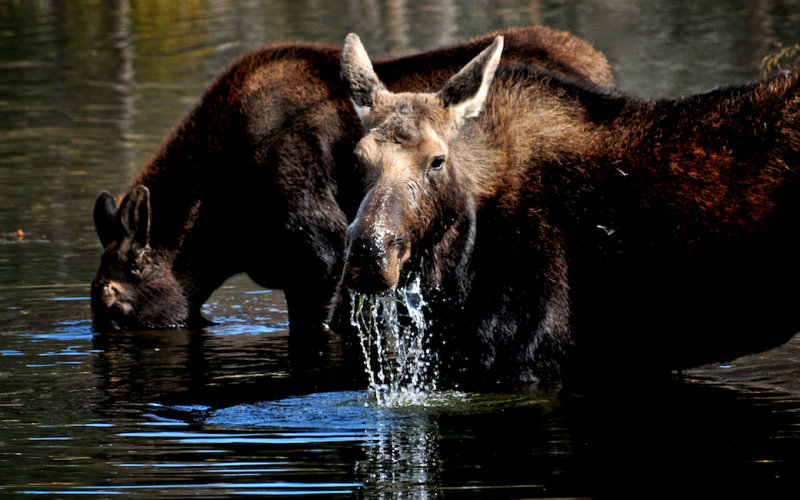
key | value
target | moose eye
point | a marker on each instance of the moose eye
(136, 267)
(437, 163)
(139, 263)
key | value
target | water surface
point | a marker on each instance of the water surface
(89, 89)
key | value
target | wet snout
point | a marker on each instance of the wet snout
(376, 248)
(371, 265)
(111, 308)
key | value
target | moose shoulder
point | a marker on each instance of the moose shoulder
(259, 179)
(561, 231)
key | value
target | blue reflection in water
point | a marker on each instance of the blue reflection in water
(266, 489)
(229, 325)
(218, 439)
(68, 330)
(399, 445)
(291, 448)
(397, 448)
(324, 411)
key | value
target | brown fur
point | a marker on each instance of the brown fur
(259, 179)
(571, 228)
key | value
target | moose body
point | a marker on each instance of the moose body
(259, 179)
(560, 230)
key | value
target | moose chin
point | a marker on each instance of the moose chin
(563, 230)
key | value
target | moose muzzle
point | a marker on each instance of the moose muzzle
(373, 259)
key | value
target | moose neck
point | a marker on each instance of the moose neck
(188, 179)
(447, 267)
(584, 154)
(530, 122)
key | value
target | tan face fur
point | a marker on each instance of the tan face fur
(415, 190)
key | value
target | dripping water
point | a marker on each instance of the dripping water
(399, 362)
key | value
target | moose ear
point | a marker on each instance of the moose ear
(105, 218)
(464, 94)
(134, 215)
(359, 76)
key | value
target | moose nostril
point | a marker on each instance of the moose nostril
(115, 299)
(371, 266)
(364, 250)
(110, 292)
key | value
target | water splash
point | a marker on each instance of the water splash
(394, 340)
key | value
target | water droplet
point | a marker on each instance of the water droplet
(394, 341)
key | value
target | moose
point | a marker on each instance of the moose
(259, 179)
(564, 231)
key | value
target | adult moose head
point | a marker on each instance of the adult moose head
(259, 179)
(559, 229)
(420, 206)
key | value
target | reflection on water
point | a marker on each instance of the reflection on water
(221, 412)
(400, 445)
(89, 89)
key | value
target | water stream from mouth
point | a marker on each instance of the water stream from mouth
(394, 340)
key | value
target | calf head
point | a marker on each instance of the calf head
(418, 197)
(134, 287)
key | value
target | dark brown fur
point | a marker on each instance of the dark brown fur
(259, 179)
(576, 232)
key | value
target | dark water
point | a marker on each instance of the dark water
(88, 89)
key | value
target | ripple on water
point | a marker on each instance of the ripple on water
(353, 414)
(346, 411)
